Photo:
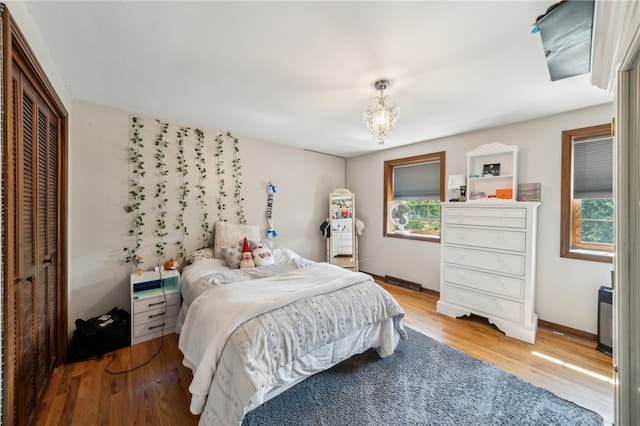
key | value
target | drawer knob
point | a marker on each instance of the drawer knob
(500, 307)
(162, 302)
(501, 284)
(460, 296)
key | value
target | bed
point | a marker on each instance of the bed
(250, 334)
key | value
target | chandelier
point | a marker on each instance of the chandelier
(381, 119)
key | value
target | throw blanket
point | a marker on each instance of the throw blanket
(193, 286)
(323, 314)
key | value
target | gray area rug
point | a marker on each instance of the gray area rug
(423, 383)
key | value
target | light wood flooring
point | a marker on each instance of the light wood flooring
(157, 393)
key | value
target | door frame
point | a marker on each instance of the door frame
(615, 67)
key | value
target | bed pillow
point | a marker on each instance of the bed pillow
(227, 234)
(232, 254)
(203, 253)
(282, 255)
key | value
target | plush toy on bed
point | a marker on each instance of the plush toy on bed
(262, 256)
(246, 260)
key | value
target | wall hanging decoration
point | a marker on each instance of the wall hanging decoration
(202, 192)
(175, 191)
(237, 173)
(220, 173)
(183, 190)
(136, 190)
(160, 232)
(271, 189)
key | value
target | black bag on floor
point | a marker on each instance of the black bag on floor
(99, 335)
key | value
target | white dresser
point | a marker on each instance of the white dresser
(155, 302)
(488, 264)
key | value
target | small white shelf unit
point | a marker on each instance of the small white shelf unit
(494, 153)
(155, 302)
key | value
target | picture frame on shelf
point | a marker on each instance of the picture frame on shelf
(492, 169)
(529, 192)
(477, 195)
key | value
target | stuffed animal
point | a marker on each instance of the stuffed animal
(246, 259)
(262, 256)
(170, 265)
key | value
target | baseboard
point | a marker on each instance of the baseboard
(388, 279)
(402, 283)
(561, 329)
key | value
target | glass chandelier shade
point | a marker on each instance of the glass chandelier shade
(381, 119)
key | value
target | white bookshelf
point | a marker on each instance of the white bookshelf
(506, 157)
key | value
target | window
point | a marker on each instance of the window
(587, 212)
(418, 183)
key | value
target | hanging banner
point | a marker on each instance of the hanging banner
(271, 189)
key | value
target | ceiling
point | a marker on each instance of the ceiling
(301, 73)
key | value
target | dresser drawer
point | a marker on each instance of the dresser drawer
(155, 326)
(492, 261)
(497, 284)
(152, 303)
(154, 314)
(483, 303)
(503, 217)
(489, 238)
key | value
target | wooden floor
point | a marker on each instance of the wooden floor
(157, 393)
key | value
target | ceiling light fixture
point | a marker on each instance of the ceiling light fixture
(381, 119)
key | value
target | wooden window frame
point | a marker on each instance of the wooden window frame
(570, 208)
(388, 192)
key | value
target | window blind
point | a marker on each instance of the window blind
(417, 181)
(593, 168)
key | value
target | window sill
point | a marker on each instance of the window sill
(419, 237)
(592, 255)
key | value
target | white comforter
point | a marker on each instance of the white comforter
(273, 323)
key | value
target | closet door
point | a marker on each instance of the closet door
(35, 335)
(45, 241)
(34, 289)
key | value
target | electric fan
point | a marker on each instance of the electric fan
(399, 217)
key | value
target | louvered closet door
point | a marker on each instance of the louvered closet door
(45, 242)
(35, 242)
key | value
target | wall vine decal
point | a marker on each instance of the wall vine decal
(172, 170)
(220, 173)
(161, 189)
(136, 191)
(183, 190)
(202, 192)
(237, 173)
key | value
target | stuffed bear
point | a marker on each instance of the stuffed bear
(262, 256)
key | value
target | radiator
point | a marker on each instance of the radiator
(605, 320)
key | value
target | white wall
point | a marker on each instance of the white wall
(99, 278)
(566, 288)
